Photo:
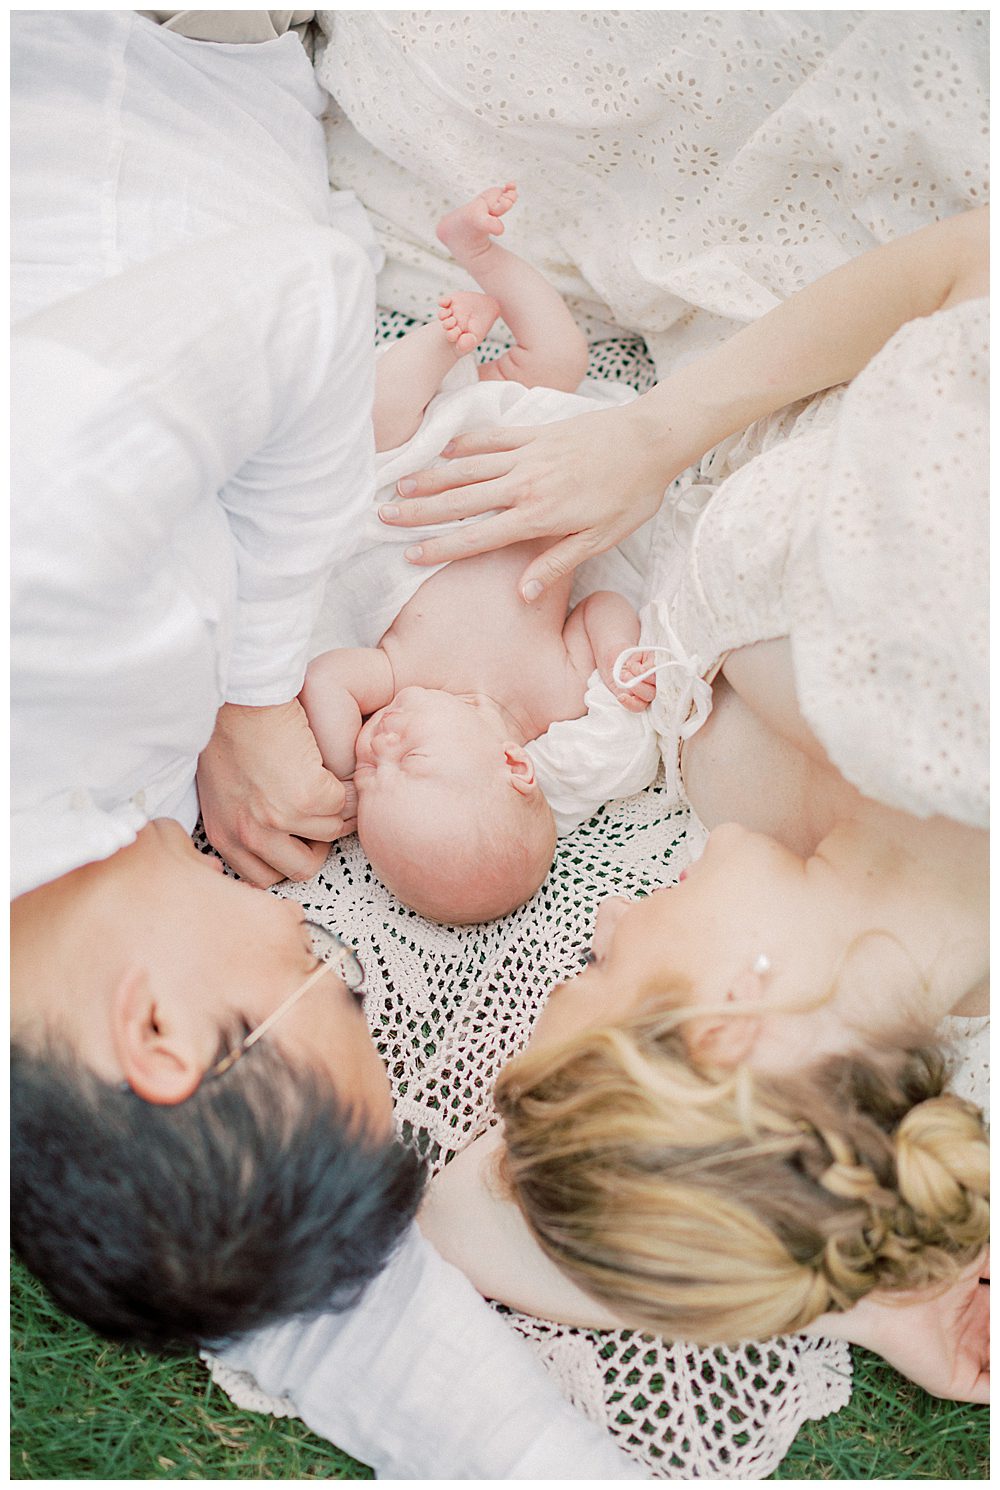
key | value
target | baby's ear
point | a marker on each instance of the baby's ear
(520, 767)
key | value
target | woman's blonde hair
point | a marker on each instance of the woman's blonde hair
(723, 1208)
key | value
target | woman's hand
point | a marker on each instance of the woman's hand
(941, 1341)
(587, 482)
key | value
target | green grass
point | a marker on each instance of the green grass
(84, 1409)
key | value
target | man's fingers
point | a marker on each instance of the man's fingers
(471, 538)
(318, 829)
(326, 794)
(554, 564)
(290, 857)
(249, 867)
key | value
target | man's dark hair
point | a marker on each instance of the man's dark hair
(169, 1226)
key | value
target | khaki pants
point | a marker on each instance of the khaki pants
(235, 25)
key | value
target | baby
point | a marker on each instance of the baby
(433, 723)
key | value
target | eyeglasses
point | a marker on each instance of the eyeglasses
(335, 956)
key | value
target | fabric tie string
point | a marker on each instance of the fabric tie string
(693, 703)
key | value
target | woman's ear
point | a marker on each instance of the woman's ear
(157, 1054)
(727, 1039)
(520, 767)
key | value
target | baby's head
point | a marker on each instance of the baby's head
(449, 811)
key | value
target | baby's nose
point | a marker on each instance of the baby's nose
(386, 743)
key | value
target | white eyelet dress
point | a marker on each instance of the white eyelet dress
(858, 527)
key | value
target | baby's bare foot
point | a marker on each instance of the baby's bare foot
(468, 230)
(466, 317)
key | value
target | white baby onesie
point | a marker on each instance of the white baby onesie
(607, 753)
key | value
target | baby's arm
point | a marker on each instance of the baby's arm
(597, 631)
(341, 688)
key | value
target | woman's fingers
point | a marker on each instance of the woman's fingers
(470, 538)
(447, 506)
(471, 459)
(488, 442)
(558, 561)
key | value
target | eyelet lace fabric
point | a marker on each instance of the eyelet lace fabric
(858, 528)
(679, 172)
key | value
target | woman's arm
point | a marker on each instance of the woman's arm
(940, 1340)
(475, 1226)
(599, 476)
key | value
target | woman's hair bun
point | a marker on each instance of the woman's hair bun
(942, 1167)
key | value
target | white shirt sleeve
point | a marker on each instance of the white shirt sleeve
(254, 352)
(192, 446)
(296, 504)
(422, 1381)
(607, 753)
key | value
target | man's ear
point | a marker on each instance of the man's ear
(520, 767)
(156, 1053)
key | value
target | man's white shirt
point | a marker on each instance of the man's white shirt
(192, 385)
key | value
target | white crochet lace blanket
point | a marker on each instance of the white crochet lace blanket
(679, 171)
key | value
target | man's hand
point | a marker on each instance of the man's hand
(941, 1341)
(267, 802)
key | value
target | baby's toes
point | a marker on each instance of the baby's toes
(467, 341)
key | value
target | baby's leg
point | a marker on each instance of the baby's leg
(551, 349)
(408, 375)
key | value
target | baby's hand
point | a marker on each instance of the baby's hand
(641, 695)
